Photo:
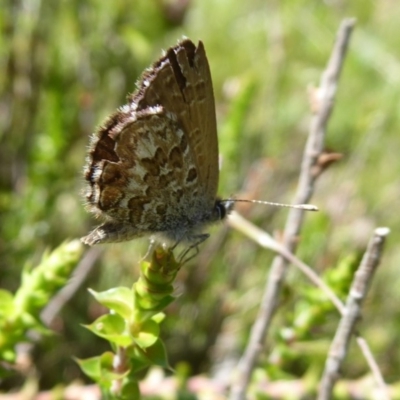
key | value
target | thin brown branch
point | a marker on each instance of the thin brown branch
(308, 175)
(382, 388)
(357, 294)
(67, 292)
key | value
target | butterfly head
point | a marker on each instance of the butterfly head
(222, 208)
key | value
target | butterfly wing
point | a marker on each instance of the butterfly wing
(181, 82)
(153, 166)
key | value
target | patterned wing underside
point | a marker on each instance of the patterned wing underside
(181, 82)
(139, 189)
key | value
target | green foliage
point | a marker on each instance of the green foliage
(19, 313)
(302, 339)
(132, 328)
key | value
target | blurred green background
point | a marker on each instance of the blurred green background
(66, 65)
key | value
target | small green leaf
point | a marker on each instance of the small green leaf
(101, 369)
(112, 328)
(131, 391)
(147, 335)
(91, 367)
(139, 360)
(157, 354)
(116, 299)
(150, 304)
(146, 303)
(156, 276)
(157, 292)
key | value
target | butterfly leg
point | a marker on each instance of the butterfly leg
(198, 239)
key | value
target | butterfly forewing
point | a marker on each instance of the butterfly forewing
(181, 82)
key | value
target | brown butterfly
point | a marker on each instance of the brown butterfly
(152, 167)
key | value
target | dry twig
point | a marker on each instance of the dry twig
(80, 274)
(357, 294)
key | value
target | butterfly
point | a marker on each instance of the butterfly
(152, 167)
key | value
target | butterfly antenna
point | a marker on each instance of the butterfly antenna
(306, 207)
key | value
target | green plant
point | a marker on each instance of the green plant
(132, 328)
